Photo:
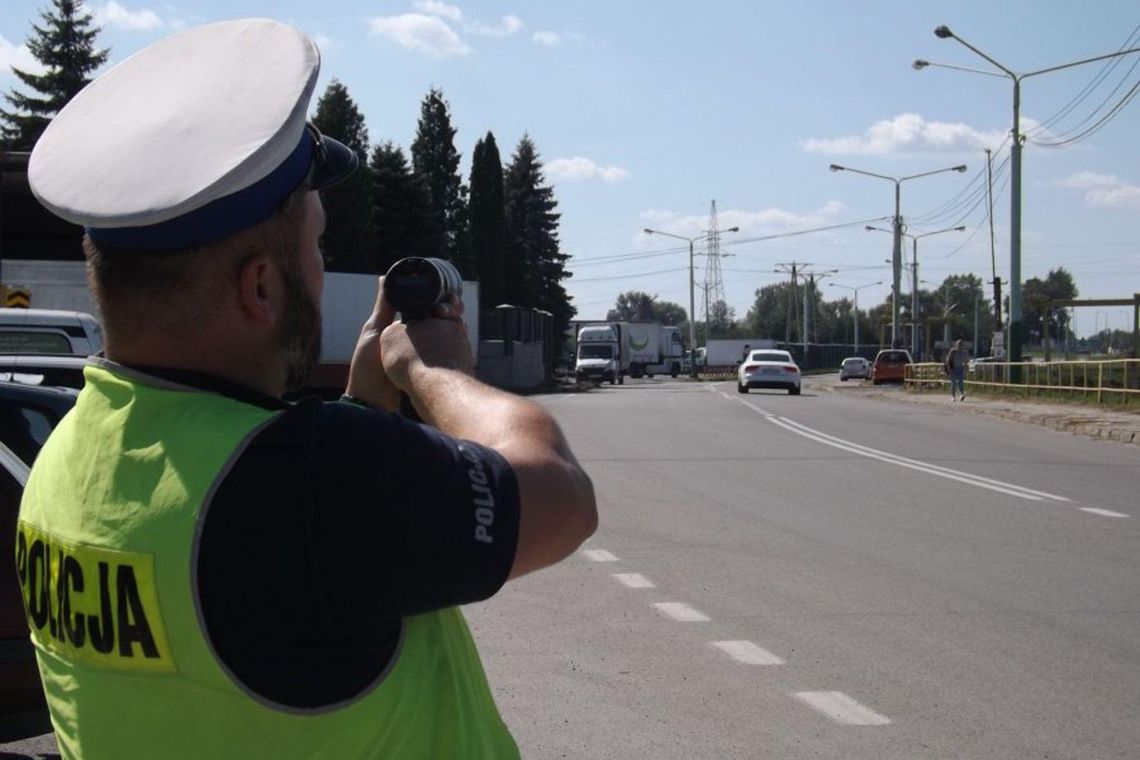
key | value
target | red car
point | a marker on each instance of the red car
(890, 366)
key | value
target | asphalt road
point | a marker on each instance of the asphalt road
(826, 576)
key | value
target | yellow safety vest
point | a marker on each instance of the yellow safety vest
(105, 552)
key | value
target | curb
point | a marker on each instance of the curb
(1076, 422)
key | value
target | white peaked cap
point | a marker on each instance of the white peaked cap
(191, 139)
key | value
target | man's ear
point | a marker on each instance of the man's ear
(259, 290)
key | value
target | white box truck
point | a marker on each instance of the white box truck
(608, 351)
(729, 353)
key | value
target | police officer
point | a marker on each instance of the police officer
(209, 571)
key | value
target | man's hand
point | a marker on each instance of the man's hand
(439, 341)
(367, 380)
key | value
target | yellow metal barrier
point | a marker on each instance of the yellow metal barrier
(1109, 380)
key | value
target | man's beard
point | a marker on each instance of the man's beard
(299, 336)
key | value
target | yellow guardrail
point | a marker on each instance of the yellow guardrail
(1109, 380)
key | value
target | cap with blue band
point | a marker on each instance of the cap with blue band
(192, 139)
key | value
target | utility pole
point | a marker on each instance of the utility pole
(1000, 353)
(794, 268)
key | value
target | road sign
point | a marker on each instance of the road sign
(998, 346)
(18, 298)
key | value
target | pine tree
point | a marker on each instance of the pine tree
(400, 208)
(65, 45)
(349, 243)
(535, 268)
(435, 159)
(487, 229)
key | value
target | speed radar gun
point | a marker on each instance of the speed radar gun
(414, 286)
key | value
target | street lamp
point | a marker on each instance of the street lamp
(914, 275)
(692, 294)
(943, 32)
(856, 290)
(896, 254)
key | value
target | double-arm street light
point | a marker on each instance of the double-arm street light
(856, 290)
(914, 276)
(692, 293)
(943, 32)
(896, 254)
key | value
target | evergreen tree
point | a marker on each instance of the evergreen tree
(65, 45)
(349, 242)
(400, 208)
(435, 159)
(535, 268)
(487, 229)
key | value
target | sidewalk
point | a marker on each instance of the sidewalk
(1101, 423)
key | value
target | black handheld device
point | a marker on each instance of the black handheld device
(414, 286)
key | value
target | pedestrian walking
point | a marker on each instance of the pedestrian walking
(956, 360)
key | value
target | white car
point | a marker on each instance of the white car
(769, 369)
(855, 366)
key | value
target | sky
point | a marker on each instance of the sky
(646, 112)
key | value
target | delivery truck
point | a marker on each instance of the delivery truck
(729, 353)
(608, 351)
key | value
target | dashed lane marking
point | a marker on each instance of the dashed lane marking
(634, 580)
(747, 653)
(599, 555)
(842, 708)
(1103, 512)
(681, 612)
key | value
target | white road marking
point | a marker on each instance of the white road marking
(600, 555)
(931, 469)
(681, 612)
(1103, 512)
(842, 708)
(747, 652)
(634, 580)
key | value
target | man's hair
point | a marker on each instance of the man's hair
(175, 290)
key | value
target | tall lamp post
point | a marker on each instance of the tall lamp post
(943, 32)
(914, 275)
(855, 290)
(896, 254)
(692, 293)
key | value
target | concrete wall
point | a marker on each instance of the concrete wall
(520, 370)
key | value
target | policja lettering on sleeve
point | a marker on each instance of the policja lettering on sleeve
(90, 604)
(482, 497)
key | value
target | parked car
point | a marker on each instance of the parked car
(28, 414)
(43, 369)
(769, 369)
(49, 331)
(855, 366)
(890, 366)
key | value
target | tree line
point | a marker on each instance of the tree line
(783, 311)
(500, 227)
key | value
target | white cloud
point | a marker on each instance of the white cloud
(115, 15)
(437, 8)
(1104, 190)
(324, 42)
(17, 56)
(422, 34)
(507, 26)
(908, 133)
(768, 221)
(578, 169)
(550, 39)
